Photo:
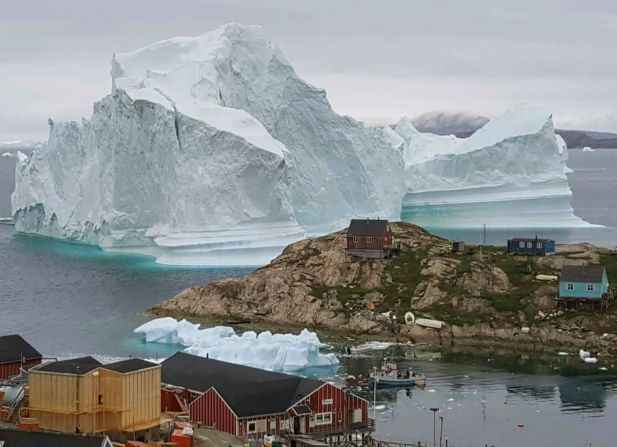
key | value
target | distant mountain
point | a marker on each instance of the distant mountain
(587, 138)
(463, 124)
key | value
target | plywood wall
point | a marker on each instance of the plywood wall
(63, 402)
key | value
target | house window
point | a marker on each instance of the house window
(540, 244)
(273, 426)
(369, 239)
(356, 239)
(521, 244)
(590, 287)
(251, 427)
(323, 418)
(529, 244)
(570, 286)
(340, 416)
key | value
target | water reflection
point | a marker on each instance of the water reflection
(581, 395)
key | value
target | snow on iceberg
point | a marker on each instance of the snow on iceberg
(206, 144)
(277, 352)
(467, 182)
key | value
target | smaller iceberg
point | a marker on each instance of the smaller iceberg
(275, 352)
(586, 356)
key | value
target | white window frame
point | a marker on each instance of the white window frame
(529, 244)
(590, 287)
(540, 245)
(356, 239)
(248, 427)
(369, 239)
(521, 244)
(570, 286)
(324, 418)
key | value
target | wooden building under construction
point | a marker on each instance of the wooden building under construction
(83, 396)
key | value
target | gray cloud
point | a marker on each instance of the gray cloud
(377, 60)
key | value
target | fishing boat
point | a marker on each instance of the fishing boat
(390, 376)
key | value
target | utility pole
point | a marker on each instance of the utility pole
(374, 392)
(440, 430)
(434, 410)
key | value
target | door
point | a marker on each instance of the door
(296, 425)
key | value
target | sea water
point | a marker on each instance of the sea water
(70, 299)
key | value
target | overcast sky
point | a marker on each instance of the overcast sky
(377, 60)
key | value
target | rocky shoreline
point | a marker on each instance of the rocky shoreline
(484, 299)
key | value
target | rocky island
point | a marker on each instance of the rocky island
(485, 296)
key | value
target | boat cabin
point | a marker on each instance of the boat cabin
(369, 238)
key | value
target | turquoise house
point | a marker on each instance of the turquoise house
(579, 282)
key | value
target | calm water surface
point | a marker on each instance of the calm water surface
(70, 299)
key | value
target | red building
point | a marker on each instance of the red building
(251, 402)
(16, 353)
(369, 238)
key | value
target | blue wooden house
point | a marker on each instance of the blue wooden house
(587, 283)
(531, 246)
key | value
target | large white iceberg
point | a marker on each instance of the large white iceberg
(206, 144)
(509, 173)
(212, 150)
(277, 352)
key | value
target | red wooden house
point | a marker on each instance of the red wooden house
(251, 402)
(369, 238)
(16, 353)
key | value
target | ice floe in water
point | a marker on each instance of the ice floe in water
(277, 352)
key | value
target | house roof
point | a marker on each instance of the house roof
(530, 239)
(130, 365)
(301, 410)
(582, 273)
(78, 366)
(367, 227)
(13, 348)
(248, 391)
(20, 438)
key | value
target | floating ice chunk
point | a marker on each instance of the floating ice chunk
(583, 354)
(562, 353)
(371, 346)
(379, 407)
(588, 149)
(590, 360)
(279, 352)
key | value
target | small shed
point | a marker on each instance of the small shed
(531, 246)
(586, 283)
(369, 238)
(15, 354)
(458, 246)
